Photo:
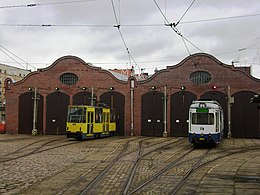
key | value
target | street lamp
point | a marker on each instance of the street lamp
(35, 108)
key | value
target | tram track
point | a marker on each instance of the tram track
(216, 162)
(35, 148)
(189, 172)
(135, 165)
(140, 157)
(14, 139)
(155, 180)
(130, 159)
(198, 164)
(96, 171)
(80, 157)
(122, 154)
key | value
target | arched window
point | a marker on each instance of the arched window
(69, 78)
(200, 77)
(8, 83)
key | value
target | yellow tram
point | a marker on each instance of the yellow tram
(90, 121)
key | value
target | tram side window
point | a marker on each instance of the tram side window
(104, 117)
(112, 116)
(77, 115)
(98, 117)
(90, 117)
(217, 122)
(203, 118)
(107, 117)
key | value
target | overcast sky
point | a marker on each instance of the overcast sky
(229, 30)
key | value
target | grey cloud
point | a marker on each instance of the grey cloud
(103, 44)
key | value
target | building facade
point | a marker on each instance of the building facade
(156, 106)
(13, 73)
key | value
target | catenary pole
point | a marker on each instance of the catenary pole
(34, 130)
(229, 112)
(165, 112)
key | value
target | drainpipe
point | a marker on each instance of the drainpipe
(132, 85)
(230, 102)
(165, 112)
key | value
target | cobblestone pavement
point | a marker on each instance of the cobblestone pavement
(56, 165)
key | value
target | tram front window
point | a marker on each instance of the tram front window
(202, 118)
(77, 115)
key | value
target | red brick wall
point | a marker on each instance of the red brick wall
(178, 75)
(47, 79)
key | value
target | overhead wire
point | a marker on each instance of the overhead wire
(172, 25)
(174, 28)
(42, 4)
(185, 12)
(127, 25)
(57, 25)
(121, 35)
(12, 58)
(82, 25)
(3, 49)
(218, 19)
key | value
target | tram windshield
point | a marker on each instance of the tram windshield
(202, 118)
(77, 115)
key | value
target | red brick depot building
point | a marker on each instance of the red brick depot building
(150, 107)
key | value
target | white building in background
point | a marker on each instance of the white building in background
(15, 74)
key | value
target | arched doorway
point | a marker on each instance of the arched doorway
(152, 114)
(180, 103)
(116, 100)
(26, 109)
(221, 98)
(82, 98)
(56, 113)
(244, 116)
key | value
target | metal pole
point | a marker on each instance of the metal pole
(34, 130)
(165, 112)
(92, 96)
(229, 112)
(132, 106)
(112, 101)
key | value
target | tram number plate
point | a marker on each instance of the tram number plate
(201, 138)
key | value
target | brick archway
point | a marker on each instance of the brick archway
(245, 116)
(25, 124)
(116, 100)
(82, 98)
(152, 114)
(180, 103)
(221, 98)
(56, 113)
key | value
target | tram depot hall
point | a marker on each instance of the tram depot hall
(156, 106)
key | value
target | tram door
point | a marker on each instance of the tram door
(90, 120)
(105, 121)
